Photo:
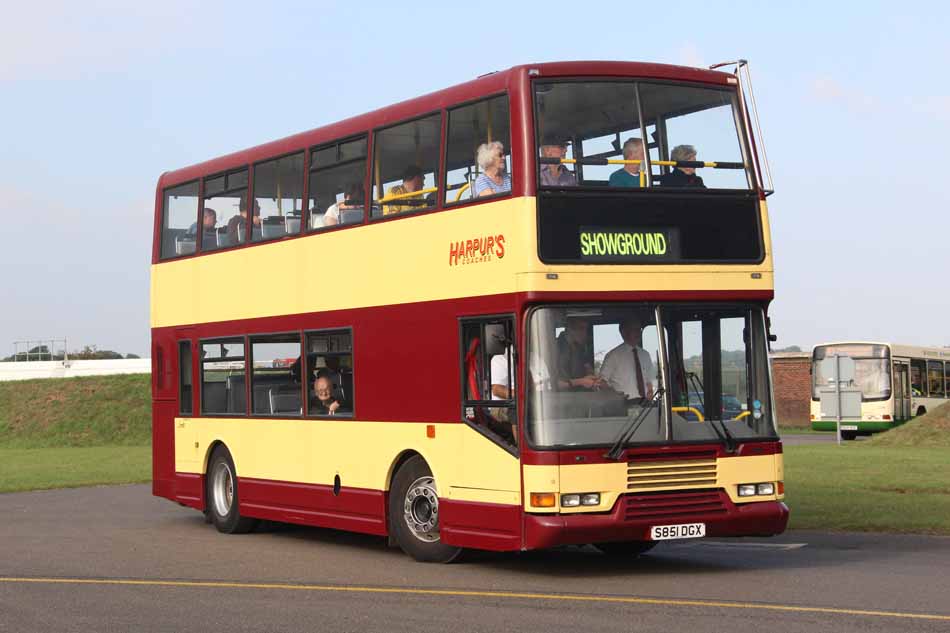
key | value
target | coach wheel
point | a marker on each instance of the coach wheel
(414, 514)
(223, 495)
(848, 435)
(921, 411)
(625, 549)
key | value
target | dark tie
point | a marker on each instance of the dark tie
(636, 362)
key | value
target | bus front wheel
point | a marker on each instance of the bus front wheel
(222, 495)
(414, 514)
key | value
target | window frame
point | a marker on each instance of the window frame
(749, 167)
(199, 250)
(445, 153)
(511, 321)
(943, 392)
(268, 337)
(924, 379)
(440, 164)
(311, 170)
(305, 371)
(201, 366)
(252, 197)
(163, 222)
(182, 344)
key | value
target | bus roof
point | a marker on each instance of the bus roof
(899, 349)
(482, 86)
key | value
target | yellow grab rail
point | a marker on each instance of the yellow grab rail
(668, 163)
(462, 189)
(693, 409)
(742, 415)
(410, 194)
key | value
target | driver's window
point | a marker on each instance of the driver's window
(488, 375)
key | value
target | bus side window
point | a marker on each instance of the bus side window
(472, 128)
(488, 374)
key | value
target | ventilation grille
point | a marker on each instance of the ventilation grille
(671, 475)
(675, 506)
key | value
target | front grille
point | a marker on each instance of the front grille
(668, 475)
(665, 506)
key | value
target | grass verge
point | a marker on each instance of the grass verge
(44, 468)
(863, 487)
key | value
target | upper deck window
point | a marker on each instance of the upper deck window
(634, 135)
(180, 220)
(478, 156)
(406, 166)
(225, 210)
(278, 197)
(338, 183)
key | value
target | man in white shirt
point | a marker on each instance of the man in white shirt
(628, 367)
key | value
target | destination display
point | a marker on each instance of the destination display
(648, 228)
(633, 244)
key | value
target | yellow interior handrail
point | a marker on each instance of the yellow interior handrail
(410, 194)
(742, 415)
(693, 409)
(668, 163)
(462, 189)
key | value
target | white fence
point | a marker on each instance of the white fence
(72, 368)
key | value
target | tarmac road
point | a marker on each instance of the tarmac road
(118, 559)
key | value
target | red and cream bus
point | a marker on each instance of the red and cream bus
(505, 316)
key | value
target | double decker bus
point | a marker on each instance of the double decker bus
(896, 383)
(525, 311)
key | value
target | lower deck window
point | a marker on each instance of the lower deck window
(330, 373)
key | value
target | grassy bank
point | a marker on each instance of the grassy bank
(67, 432)
(44, 468)
(88, 411)
(863, 487)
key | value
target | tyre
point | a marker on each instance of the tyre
(625, 549)
(414, 514)
(848, 435)
(222, 495)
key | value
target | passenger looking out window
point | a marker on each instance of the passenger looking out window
(352, 199)
(629, 174)
(494, 178)
(683, 176)
(555, 174)
(411, 182)
(237, 225)
(325, 403)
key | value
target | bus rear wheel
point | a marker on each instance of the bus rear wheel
(625, 549)
(222, 495)
(414, 514)
(848, 435)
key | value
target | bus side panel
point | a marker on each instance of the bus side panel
(163, 448)
(487, 526)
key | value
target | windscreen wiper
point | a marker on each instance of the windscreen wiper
(725, 435)
(628, 431)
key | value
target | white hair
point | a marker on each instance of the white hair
(629, 144)
(486, 153)
(683, 152)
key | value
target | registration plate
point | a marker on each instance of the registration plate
(849, 427)
(684, 530)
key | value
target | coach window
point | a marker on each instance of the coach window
(275, 375)
(179, 220)
(226, 195)
(278, 197)
(338, 184)
(406, 167)
(222, 377)
(935, 378)
(330, 373)
(478, 154)
(184, 377)
(918, 377)
(488, 376)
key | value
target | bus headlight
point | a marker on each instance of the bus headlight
(765, 489)
(746, 490)
(590, 499)
(570, 501)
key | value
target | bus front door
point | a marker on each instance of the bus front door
(901, 391)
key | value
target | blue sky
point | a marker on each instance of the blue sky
(96, 101)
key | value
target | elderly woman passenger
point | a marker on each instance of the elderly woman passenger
(683, 176)
(494, 179)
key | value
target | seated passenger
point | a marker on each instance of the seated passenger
(574, 370)
(683, 176)
(555, 175)
(240, 220)
(208, 221)
(325, 403)
(352, 199)
(411, 182)
(629, 174)
(494, 179)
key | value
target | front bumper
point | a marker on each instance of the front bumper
(633, 515)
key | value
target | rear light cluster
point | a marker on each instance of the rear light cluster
(766, 489)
